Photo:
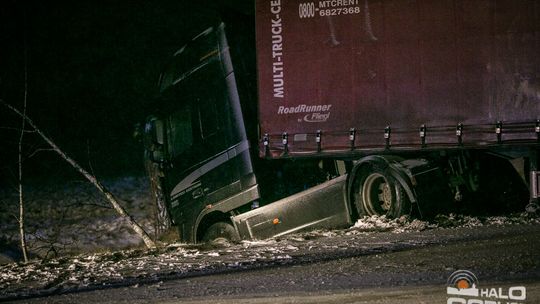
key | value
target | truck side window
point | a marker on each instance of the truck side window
(208, 116)
(180, 132)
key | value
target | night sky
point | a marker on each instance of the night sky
(92, 74)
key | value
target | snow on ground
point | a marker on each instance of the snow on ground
(382, 223)
(135, 266)
(116, 267)
(405, 223)
(73, 217)
(70, 217)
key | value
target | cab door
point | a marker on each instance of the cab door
(197, 139)
(207, 151)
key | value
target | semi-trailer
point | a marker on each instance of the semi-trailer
(317, 112)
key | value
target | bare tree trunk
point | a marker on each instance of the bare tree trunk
(162, 220)
(23, 126)
(21, 207)
(21, 198)
(110, 197)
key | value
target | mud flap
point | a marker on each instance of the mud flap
(534, 178)
(535, 186)
(426, 180)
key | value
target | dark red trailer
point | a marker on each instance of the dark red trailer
(337, 76)
(365, 107)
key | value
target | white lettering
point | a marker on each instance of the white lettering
(456, 301)
(517, 293)
(337, 3)
(275, 9)
(501, 294)
(278, 81)
(277, 67)
(302, 108)
(278, 87)
(317, 117)
(276, 26)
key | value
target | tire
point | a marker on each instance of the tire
(377, 192)
(220, 232)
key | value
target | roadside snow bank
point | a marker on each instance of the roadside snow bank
(459, 220)
(382, 223)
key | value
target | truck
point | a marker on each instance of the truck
(310, 114)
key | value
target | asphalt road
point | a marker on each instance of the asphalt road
(500, 257)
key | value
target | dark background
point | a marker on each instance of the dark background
(92, 74)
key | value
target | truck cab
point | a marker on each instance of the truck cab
(197, 135)
(199, 142)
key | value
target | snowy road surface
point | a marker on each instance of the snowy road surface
(378, 261)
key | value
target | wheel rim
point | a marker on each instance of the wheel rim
(376, 194)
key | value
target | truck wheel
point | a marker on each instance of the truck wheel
(377, 192)
(220, 232)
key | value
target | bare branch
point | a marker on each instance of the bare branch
(39, 150)
(20, 146)
(89, 158)
(17, 129)
(110, 197)
(15, 217)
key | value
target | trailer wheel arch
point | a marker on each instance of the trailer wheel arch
(391, 163)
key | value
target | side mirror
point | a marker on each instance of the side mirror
(154, 140)
(159, 132)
